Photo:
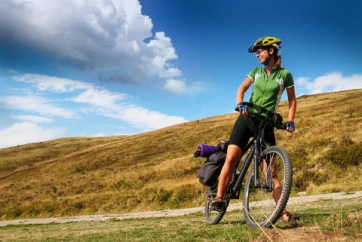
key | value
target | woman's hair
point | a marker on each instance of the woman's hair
(278, 60)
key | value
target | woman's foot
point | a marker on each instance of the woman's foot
(287, 217)
(217, 204)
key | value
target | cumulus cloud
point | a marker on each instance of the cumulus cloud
(111, 39)
(94, 34)
(331, 82)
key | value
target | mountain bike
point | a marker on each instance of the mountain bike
(262, 162)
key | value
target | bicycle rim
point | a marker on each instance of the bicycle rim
(213, 216)
(260, 208)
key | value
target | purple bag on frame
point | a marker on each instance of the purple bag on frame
(205, 150)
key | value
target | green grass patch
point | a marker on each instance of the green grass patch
(328, 220)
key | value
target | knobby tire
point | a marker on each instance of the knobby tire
(260, 209)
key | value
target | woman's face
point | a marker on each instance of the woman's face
(262, 55)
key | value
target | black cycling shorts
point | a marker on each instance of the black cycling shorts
(246, 128)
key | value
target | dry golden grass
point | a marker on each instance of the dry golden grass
(157, 170)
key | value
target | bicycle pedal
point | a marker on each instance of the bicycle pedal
(218, 207)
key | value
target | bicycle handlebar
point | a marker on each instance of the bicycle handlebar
(273, 119)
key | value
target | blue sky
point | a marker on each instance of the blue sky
(119, 67)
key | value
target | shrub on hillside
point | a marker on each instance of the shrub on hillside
(345, 153)
(303, 179)
(299, 158)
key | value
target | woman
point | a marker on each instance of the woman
(269, 81)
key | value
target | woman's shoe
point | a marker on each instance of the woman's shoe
(217, 204)
(287, 217)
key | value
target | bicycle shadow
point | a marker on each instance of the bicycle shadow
(301, 221)
(285, 225)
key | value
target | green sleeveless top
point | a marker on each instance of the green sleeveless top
(267, 91)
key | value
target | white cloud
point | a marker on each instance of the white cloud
(115, 105)
(302, 80)
(33, 119)
(51, 83)
(100, 97)
(93, 34)
(170, 72)
(176, 86)
(81, 98)
(144, 119)
(180, 87)
(101, 134)
(35, 104)
(27, 132)
(331, 82)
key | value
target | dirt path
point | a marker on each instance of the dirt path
(293, 201)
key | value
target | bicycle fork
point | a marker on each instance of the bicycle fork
(268, 163)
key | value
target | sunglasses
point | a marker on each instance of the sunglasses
(259, 51)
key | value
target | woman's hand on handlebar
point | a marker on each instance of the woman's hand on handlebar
(241, 108)
(290, 126)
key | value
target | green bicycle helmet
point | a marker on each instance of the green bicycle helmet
(266, 42)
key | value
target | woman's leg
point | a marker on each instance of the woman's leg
(277, 188)
(238, 138)
(232, 156)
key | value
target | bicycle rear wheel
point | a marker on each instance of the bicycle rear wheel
(260, 208)
(213, 216)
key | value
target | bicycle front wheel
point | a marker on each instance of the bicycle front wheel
(212, 215)
(267, 192)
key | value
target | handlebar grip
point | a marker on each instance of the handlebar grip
(278, 125)
(282, 126)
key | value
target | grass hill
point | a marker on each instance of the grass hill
(156, 170)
